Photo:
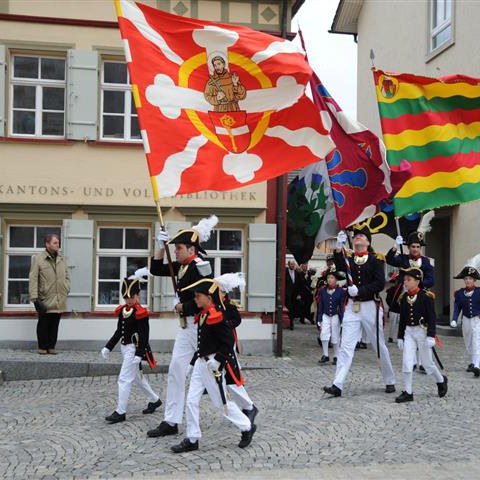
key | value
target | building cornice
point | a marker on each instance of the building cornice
(346, 17)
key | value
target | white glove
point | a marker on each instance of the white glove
(105, 352)
(352, 290)
(453, 324)
(430, 342)
(213, 364)
(398, 241)
(341, 239)
(162, 237)
(400, 344)
(137, 359)
(141, 272)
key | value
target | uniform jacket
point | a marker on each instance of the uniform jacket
(368, 277)
(49, 281)
(468, 305)
(128, 326)
(233, 318)
(393, 296)
(215, 337)
(403, 261)
(420, 312)
(186, 274)
(331, 304)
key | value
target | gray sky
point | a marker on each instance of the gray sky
(333, 57)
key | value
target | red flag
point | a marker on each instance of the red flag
(219, 106)
(360, 177)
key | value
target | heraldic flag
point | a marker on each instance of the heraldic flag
(219, 106)
(434, 124)
(360, 177)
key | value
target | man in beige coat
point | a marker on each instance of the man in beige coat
(49, 284)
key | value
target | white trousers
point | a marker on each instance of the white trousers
(393, 329)
(471, 337)
(467, 333)
(183, 350)
(202, 378)
(351, 330)
(130, 374)
(330, 328)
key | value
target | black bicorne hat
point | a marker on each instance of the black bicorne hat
(130, 287)
(188, 236)
(416, 237)
(363, 231)
(207, 286)
(414, 272)
(468, 272)
(335, 273)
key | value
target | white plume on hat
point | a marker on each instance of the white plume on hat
(424, 225)
(229, 281)
(205, 226)
(140, 274)
(474, 262)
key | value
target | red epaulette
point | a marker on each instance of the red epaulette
(140, 312)
(214, 316)
(119, 309)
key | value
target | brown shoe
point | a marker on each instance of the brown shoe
(52, 351)
(41, 351)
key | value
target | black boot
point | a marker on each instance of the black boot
(443, 387)
(476, 371)
(404, 397)
(470, 367)
(163, 430)
(390, 389)
(251, 414)
(247, 437)
(185, 446)
(334, 361)
(302, 321)
(390, 340)
(421, 369)
(152, 406)
(115, 417)
(333, 390)
(324, 359)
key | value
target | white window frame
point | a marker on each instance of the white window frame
(39, 84)
(433, 31)
(123, 254)
(127, 115)
(21, 251)
(217, 255)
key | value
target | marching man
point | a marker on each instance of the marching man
(330, 308)
(467, 302)
(417, 331)
(214, 365)
(132, 331)
(362, 309)
(189, 268)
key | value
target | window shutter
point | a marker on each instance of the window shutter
(261, 267)
(78, 250)
(82, 95)
(3, 246)
(3, 74)
(163, 293)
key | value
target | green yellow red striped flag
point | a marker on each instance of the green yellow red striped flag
(434, 124)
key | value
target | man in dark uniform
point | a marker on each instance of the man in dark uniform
(188, 268)
(362, 309)
(292, 286)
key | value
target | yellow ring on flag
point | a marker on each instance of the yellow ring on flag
(235, 59)
(439, 180)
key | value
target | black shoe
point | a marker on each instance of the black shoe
(185, 446)
(311, 321)
(334, 361)
(470, 367)
(163, 430)
(421, 369)
(443, 387)
(476, 372)
(251, 414)
(291, 326)
(115, 417)
(390, 389)
(324, 359)
(333, 390)
(390, 340)
(361, 346)
(152, 406)
(302, 321)
(404, 397)
(414, 367)
(247, 437)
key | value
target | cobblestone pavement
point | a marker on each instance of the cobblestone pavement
(55, 428)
